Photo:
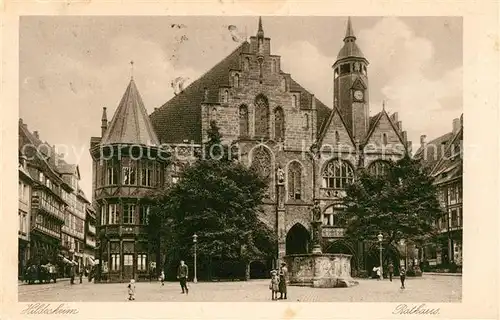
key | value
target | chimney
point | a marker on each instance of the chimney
(422, 140)
(400, 126)
(35, 133)
(456, 125)
(104, 122)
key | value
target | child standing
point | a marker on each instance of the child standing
(131, 290)
(162, 278)
(402, 275)
(274, 285)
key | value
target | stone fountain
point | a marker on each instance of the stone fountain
(318, 269)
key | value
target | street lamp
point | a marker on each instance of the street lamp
(380, 238)
(195, 240)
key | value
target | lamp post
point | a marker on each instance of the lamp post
(195, 240)
(380, 238)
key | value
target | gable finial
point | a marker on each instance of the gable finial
(383, 104)
(260, 32)
(132, 69)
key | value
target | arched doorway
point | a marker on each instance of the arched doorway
(297, 240)
(389, 254)
(344, 247)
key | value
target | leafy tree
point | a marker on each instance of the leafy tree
(401, 204)
(219, 200)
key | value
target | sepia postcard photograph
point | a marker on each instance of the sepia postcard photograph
(271, 158)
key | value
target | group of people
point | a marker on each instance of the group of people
(279, 282)
(390, 271)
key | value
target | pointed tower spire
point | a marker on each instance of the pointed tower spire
(131, 123)
(104, 121)
(260, 32)
(349, 32)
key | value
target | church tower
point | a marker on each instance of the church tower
(350, 85)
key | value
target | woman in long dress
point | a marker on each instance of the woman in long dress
(283, 278)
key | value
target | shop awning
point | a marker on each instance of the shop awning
(91, 261)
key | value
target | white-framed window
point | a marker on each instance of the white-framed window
(128, 213)
(142, 262)
(115, 261)
(128, 259)
(147, 174)
(112, 213)
(337, 174)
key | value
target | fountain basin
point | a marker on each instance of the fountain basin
(320, 270)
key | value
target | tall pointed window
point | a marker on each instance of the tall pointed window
(279, 124)
(384, 139)
(295, 181)
(261, 117)
(283, 84)
(236, 81)
(261, 162)
(337, 174)
(243, 121)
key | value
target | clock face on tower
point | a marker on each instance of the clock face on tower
(358, 95)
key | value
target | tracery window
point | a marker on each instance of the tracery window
(295, 181)
(337, 174)
(334, 216)
(279, 124)
(261, 162)
(261, 116)
(378, 167)
(243, 121)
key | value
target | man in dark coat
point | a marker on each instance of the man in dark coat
(182, 274)
(391, 271)
(283, 279)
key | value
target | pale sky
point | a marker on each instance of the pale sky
(71, 67)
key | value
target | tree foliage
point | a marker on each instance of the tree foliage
(218, 200)
(400, 204)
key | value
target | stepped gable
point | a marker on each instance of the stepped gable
(130, 123)
(179, 119)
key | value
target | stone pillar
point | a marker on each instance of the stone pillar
(280, 214)
(316, 227)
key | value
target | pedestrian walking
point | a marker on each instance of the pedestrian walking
(391, 271)
(274, 285)
(283, 278)
(131, 289)
(402, 275)
(182, 274)
(162, 278)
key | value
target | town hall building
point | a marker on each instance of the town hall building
(277, 126)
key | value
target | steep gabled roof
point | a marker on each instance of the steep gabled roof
(321, 135)
(179, 118)
(434, 150)
(130, 123)
(451, 161)
(373, 124)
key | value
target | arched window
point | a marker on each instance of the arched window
(236, 81)
(378, 167)
(261, 117)
(279, 124)
(337, 137)
(334, 216)
(261, 162)
(384, 139)
(295, 181)
(243, 121)
(283, 84)
(246, 64)
(225, 96)
(337, 174)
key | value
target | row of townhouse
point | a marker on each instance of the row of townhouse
(443, 156)
(56, 220)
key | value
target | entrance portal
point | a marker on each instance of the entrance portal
(297, 240)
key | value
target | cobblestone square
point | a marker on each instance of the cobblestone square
(428, 288)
